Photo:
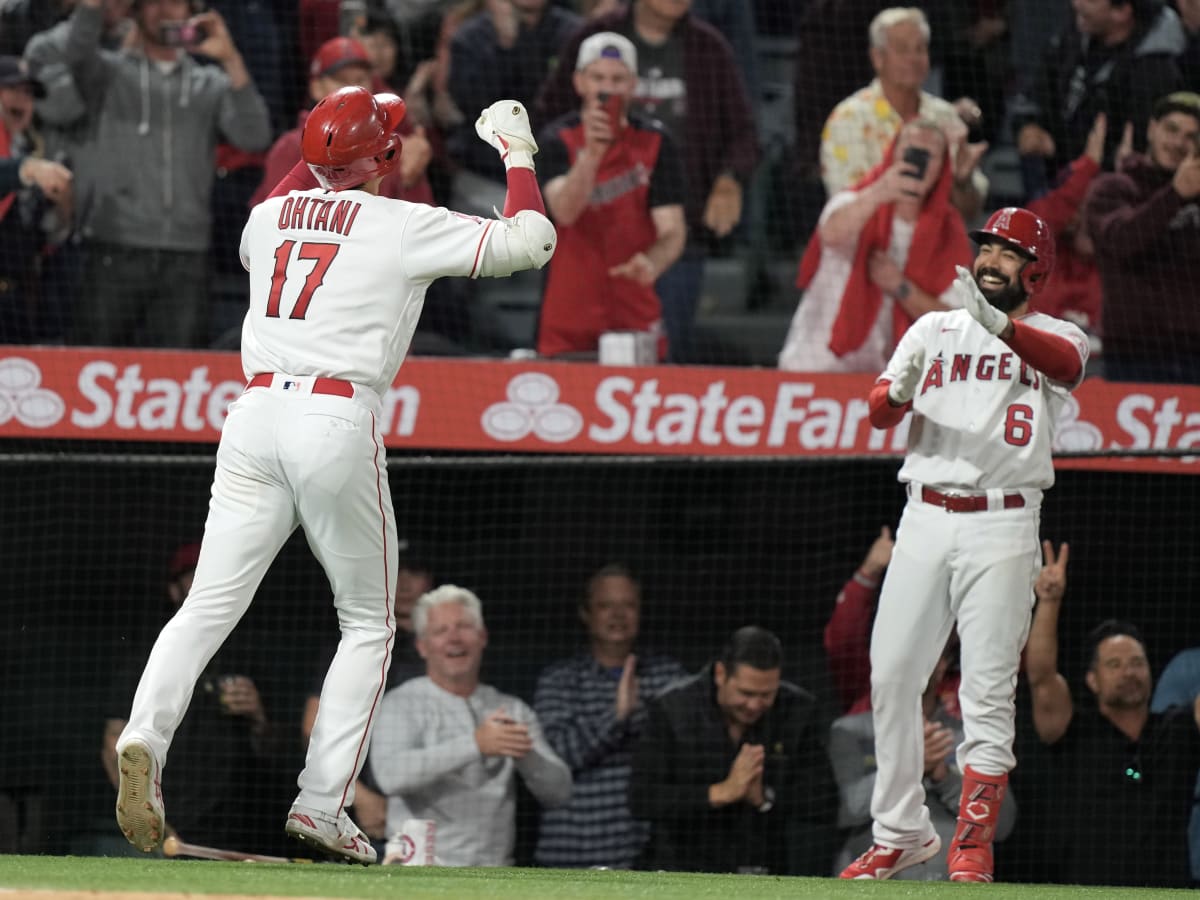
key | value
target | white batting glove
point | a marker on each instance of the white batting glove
(505, 125)
(902, 389)
(977, 305)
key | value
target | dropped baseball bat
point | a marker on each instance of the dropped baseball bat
(174, 847)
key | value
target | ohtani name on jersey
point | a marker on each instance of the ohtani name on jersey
(984, 367)
(313, 213)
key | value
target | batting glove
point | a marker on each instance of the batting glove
(977, 305)
(505, 125)
(902, 389)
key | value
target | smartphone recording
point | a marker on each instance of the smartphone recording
(180, 34)
(918, 159)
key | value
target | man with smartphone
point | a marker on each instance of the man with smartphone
(614, 186)
(883, 255)
(154, 116)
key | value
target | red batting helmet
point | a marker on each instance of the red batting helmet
(349, 138)
(1024, 231)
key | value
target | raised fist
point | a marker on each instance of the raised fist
(505, 125)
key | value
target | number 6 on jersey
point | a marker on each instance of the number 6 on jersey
(322, 254)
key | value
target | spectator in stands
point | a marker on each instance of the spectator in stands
(975, 58)
(1179, 686)
(62, 112)
(823, 75)
(504, 51)
(735, 20)
(63, 122)
(269, 58)
(414, 577)
(226, 756)
(21, 19)
(862, 127)
(852, 752)
(592, 707)
(1123, 774)
(389, 64)
(1145, 222)
(732, 769)
(1074, 293)
(1115, 57)
(343, 61)
(317, 21)
(848, 635)
(613, 184)
(688, 80)
(155, 115)
(883, 254)
(408, 12)
(1189, 62)
(25, 208)
(448, 747)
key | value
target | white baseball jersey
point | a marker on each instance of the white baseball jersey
(982, 417)
(339, 280)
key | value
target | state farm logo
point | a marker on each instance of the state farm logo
(22, 397)
(1074, 435)
(532, 406)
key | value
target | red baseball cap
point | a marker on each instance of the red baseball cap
(337, 53)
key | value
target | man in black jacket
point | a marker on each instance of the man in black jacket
(1115, 57)
(732, 770)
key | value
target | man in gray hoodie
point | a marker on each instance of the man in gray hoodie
(154, 117)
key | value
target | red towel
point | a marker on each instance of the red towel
(939, 244)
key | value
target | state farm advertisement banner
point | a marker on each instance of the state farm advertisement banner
(451, 404)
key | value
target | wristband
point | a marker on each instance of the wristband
(903, 291)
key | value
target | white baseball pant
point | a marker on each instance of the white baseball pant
(288, 457)
(976, 568)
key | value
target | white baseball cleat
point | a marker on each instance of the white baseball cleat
(338, 837)
(505, 125)
(140, 813)
(880, 863)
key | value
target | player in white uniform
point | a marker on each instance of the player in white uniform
(337, 279)
(985, 385)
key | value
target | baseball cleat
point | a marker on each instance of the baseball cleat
(880, 863)
(969, 862)
(140, 812)
(337, 837)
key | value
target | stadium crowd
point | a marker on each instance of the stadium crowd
(174, 116)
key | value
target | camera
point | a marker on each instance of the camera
(918, 158)
(181, 34)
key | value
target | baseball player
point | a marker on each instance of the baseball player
(337, 278)
(985, 385)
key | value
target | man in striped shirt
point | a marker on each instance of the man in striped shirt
(592, 710)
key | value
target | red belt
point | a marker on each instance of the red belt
(970, 503)
(334, 386)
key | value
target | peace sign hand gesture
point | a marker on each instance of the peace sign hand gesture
(1051, 582)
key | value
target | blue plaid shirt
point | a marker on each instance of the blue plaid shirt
(575, 703)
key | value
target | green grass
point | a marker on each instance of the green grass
(397, 883)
